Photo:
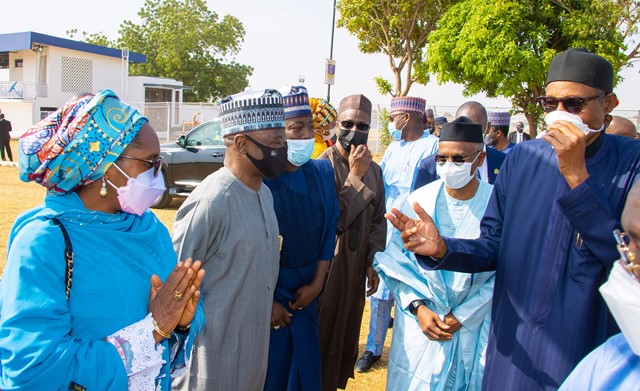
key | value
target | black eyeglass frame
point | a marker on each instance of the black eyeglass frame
(348, 125)
(572, 104)
(155, 163)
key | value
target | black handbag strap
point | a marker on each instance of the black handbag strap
(68, 256)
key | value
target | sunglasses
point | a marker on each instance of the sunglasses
(458, 160)
(572, 104)
(626, 255)
(155, 163)
(350, 124)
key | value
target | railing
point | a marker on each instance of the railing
(22, 90)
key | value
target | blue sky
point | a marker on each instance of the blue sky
(284, 39)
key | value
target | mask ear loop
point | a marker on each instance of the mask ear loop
(123, 173)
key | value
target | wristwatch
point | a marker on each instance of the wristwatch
(414, 305)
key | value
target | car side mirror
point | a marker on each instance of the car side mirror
(181, 141)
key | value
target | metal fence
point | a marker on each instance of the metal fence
(171, 120)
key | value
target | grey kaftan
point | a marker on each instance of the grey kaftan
(234, 231)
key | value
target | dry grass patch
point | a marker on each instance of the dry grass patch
(17, 196)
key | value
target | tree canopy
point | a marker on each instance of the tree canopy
(184, 40)
(397, 28)
(504, 48)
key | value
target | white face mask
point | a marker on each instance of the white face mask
(140, 192)
(455, 176)
(559, 115)
(621, 292)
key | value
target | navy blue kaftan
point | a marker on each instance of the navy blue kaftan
(551, 247)
(307, 208)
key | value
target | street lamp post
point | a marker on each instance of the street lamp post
(333, 28)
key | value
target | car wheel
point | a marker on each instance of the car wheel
(165, 198)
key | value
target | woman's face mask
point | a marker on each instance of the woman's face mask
(140, 192)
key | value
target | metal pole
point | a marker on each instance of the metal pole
(333, 28)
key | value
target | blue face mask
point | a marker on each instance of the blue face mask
(396, 134)
(299, 151)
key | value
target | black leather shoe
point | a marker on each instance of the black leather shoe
(366, 361)
(390, 323)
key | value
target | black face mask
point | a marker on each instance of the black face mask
(349, 137)
(273, 159)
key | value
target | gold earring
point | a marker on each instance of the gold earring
(103, 189)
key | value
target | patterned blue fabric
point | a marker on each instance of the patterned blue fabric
(78, 143)
(47, 342)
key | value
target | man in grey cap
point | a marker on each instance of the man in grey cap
(229, 223)
(551, 256)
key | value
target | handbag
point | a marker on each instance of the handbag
(68, 256)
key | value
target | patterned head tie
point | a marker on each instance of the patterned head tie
(250, 111)
(323, 113)
(77, 144)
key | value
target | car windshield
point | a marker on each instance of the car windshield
(207, 134)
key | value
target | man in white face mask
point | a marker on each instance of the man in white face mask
(547, 232)
(442, 318)
(615, 365)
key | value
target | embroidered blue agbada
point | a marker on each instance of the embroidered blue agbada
(45, 341)
(415, 362)
(551, 248)
(307, 208)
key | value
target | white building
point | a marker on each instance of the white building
(39, 72)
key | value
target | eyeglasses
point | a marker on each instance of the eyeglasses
(155, 163)
(458, 160)
(626, 255)
(572, 104)
(350, 124)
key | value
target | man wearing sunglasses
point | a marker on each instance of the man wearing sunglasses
(551, 255)
(442, 318)
(361, 233)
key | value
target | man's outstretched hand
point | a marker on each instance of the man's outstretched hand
(421, 235)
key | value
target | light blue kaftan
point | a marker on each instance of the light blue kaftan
(46, 342)
(399, 168)
(612, 366)
(415, 362)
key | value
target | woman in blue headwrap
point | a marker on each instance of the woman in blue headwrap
(92, 297)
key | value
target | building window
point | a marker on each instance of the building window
(17, 63)
(76, 75)
(4, 60)
(157, 95)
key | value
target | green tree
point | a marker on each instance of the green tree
(184, 40)
(504, 48)
(397, 28)
(95, 38)
(383, 134)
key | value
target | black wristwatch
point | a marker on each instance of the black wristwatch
(414, 305)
